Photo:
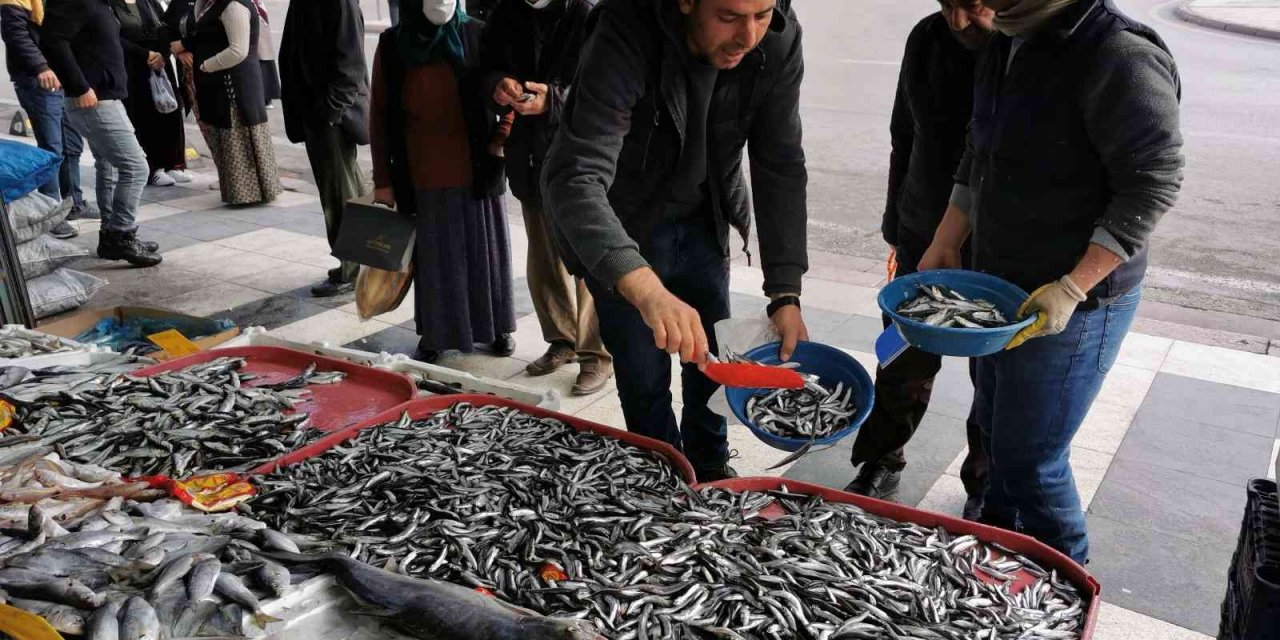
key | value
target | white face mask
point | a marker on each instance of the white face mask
(439, 12)
(539, 4)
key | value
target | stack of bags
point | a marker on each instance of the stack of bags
(51, 288)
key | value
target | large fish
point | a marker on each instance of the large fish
(438, 610)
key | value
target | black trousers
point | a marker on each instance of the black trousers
(333, 163)
(903, 390)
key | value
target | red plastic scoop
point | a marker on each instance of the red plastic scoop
(753, 376)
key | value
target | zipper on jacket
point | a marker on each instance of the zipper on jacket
(648, 144)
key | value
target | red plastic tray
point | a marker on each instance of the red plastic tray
(364, 393)
(1044, 555)
(423, 407)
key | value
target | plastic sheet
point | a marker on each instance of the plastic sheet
(46, 254)
(62, 290)
(132, 332)
(35, 214)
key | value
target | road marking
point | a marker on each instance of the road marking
(882, 63)
(1275, 457)
(1226, 282)
(1158, 13)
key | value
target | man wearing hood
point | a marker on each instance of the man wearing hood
(644, 182)
(1074, 154)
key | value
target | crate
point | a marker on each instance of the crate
(41, 361)
(459, 382)
(1251, 607)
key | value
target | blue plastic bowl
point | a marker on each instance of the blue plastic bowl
(831, 365)
(947, 341)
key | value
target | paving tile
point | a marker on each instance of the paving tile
(202, 225)
(831, 468)
(606, 411)
(200, 202)
(285, 245)
(1126, 385)
(166, 194)
(486, 366)
(855, 332)
(1089, 468)
(222, 263)
(312, 227)
(274, 311)
(213, 301)
(390, 340)
(1104, 427)
(754, 457)
(292, 199)
(947, 496)
(155, 211)
(288, 277)
(529, 342)
(1221, 405)
(1116, 623)
(748, 280)
(346, 302)
(1159, 575)
(838, 296)
(142, 287)
(1203, 450)
(1227, 366)
(952, 389)
(1144, 351)
(331, 327)
(523, 298)
(561, 380)
(1170, 502)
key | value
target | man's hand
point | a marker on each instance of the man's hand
(676, 326)
(939, 255)
(87, 101)
(176, 47)
(385, 196)
(48, 80)
(789, 324)
(155, 61)
(1054, 302)
(187, 59)
(508, 92)
(538, 105)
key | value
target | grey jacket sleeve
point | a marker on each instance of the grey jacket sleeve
(583, 160)
(1130, 105)
(779, 180)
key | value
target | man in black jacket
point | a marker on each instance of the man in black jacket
(644, 181)
(40, 95)
(930, 118)
(81, 40)
(1074, 155)
(530, 50)
(325, 96)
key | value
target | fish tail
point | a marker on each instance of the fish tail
(263, 619)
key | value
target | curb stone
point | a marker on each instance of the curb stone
(1187, 12)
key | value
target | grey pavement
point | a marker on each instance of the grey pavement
(1258, 18)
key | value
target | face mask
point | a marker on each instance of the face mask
(539, 4)
(439, 12)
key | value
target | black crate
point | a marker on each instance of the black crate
(1251, 608)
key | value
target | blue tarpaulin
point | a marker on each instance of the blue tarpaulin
(23, 168)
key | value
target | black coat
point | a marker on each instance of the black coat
(81, 40)
(533, 45)
(325, 81)
(22, 53)
(931, 114)
(239, 87)
(137, 47)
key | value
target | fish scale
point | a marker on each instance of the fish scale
(578, 525)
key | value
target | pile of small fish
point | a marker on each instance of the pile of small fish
(63, 491)
(23, 344)
(579, 526)
(127, 568)
(811, 412)
(202, 418)
(940, 306)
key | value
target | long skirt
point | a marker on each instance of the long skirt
(246, 161)
(463, 292)
(161, 135)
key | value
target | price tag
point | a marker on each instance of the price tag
(174, 343)
(890, 345)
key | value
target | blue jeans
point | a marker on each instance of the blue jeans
(119, 160)
(1030, 401)
(688, 258)
(54, 134)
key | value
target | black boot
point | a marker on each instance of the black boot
(875, 481)
(504, 346)
(116, 245)
(715, 473)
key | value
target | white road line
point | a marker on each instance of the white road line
(1275, 461)
(1158, 13)
(1225, 282)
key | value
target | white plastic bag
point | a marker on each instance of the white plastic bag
(61, 290)
(162, 93)
(738, 335)
(46, 253)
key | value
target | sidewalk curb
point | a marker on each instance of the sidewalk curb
(1186, 12)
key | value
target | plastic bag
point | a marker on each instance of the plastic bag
(23, 168)
(738, 335)
(379, 291)
(132, 332)
(35, 214)
(162, 93)
(47, 253)
(61, 290)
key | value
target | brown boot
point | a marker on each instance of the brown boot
(592, 377)
(557, 355)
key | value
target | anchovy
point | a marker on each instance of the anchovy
(941, 306)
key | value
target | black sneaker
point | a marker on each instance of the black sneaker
(84, 212)
(716, 473)
(504, 346)
(63, 231)
(330, 289)
(875, 481)
(113, 245)
(429, 356)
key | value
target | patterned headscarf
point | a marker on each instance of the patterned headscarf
(421, 42)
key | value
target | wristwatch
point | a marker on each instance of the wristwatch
(780, 303)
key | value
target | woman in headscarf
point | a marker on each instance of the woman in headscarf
(145, 38)
(230, 103)
(436, 155)
(267, 56)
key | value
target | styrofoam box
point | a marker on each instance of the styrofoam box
(48, 359)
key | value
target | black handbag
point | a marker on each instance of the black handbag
(376, 236)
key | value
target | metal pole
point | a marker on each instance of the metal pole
(14, 303)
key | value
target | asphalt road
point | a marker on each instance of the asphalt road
(1216, 250)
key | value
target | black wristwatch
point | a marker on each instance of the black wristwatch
(780, 303)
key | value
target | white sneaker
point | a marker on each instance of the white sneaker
(161, 179)
(179, 176)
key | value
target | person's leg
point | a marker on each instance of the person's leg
(69, 178)
(997, 511)
(973, 471)
(333, 163)
(44, 110)
(394, 8)
(1055, 379)
(113, 139)
(553, 291)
